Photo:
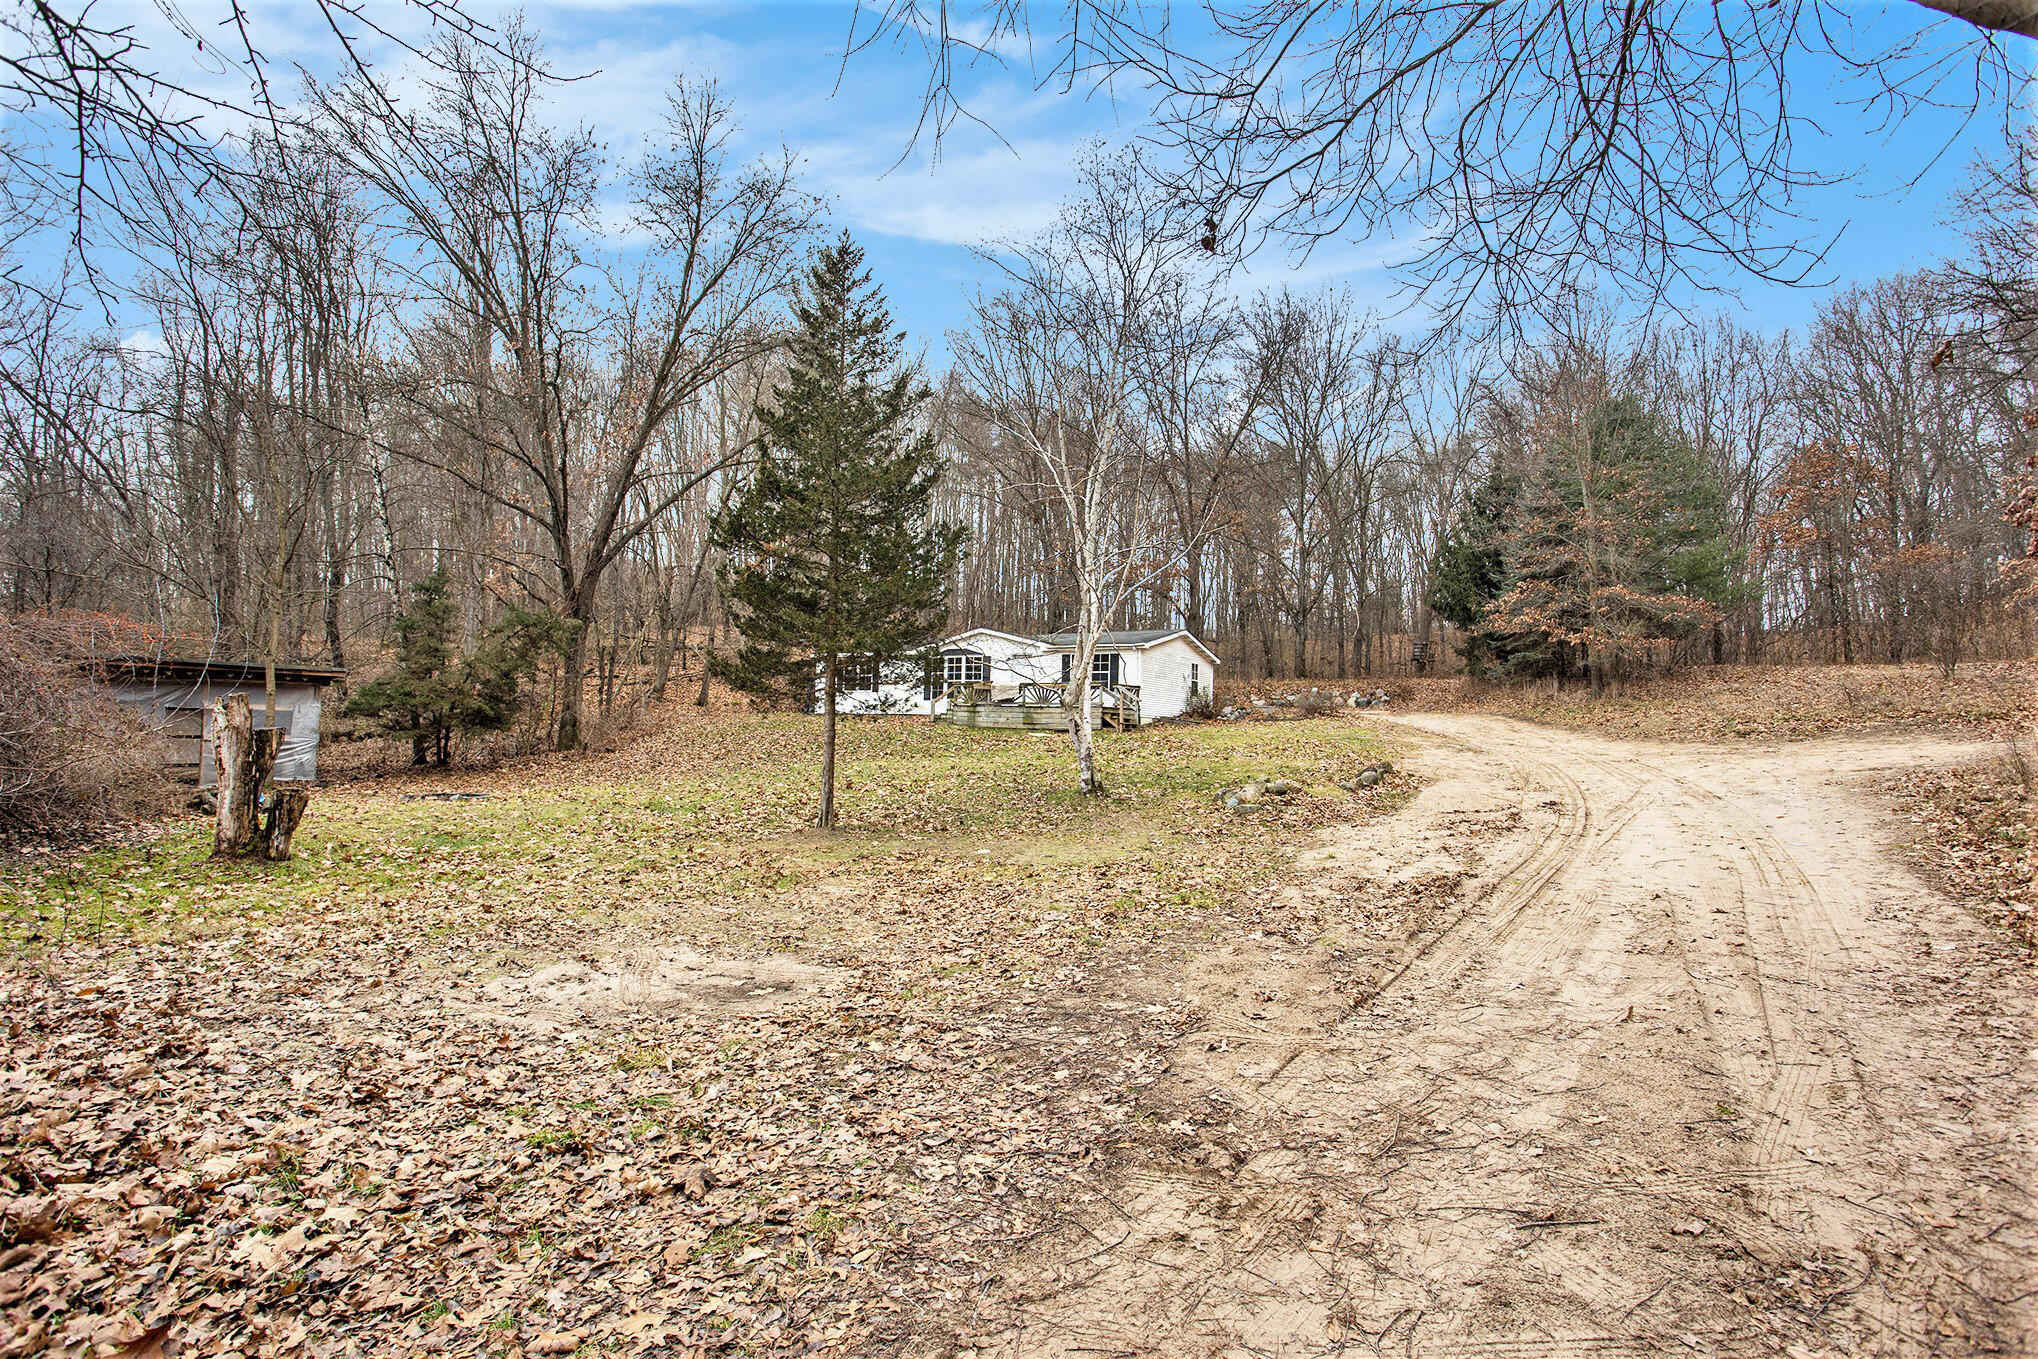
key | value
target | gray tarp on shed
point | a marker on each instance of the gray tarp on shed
(178, 699)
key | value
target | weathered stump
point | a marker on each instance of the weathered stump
(244, 763)
(286, 809)
(235, 786)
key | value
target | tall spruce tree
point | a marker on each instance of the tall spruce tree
(1603, 556)
(834, 559)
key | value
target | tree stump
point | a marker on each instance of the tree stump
(235, 786)
(286, 809)
(244, 765)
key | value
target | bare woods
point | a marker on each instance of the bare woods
(441, 333)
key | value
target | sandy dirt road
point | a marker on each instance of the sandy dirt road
(1671, 1057)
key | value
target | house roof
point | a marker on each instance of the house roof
(1138, 639)
(989, 632)
(1134, 639)
(175, 669)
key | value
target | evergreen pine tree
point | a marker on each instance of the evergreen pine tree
(1612, 548)
(1470, 574)
(1615, 549)
(418, 700)
(833, 557)
(435, 693)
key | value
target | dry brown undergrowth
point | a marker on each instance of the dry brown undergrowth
(1764, 703)
(1974, 835)
(465, 1077)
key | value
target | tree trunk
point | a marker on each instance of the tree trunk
(286, 809)
(827, 818)
(572, 674)
(245, 760)
(1084, 740)
(233, 788)
(1077, 699)
(661, 665)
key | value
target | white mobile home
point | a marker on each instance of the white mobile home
(1140, 676)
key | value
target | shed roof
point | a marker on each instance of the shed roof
(186, 669)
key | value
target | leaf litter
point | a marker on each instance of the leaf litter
(619, 1060)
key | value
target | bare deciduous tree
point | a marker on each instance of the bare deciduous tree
(583, 368)
(1537, 142)
(1056, 367)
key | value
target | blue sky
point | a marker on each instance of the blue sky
(919, 216)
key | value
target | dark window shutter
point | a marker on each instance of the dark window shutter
(1113, 679)
(1065, 659)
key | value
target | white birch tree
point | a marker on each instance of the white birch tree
(1056, 365)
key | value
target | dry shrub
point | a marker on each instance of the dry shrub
(1317, 703)
(71, 759)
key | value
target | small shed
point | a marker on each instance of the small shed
(178, 697)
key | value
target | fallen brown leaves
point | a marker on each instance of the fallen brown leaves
(1975, 836)
(1760, 703)
(291, 1111)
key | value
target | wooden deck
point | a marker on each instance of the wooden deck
(1036, 707)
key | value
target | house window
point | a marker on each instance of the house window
(855, 673)
(1195, 681)
(956, 667)
(1104, 669)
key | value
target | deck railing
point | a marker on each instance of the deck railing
(1117, 705)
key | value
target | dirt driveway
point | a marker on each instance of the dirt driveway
(1678, 1061)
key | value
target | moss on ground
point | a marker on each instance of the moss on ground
(718, 805)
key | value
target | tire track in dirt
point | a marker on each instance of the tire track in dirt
(1667, 1077)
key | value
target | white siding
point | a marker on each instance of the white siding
(1164, 682)
(1009, 662)
(904, 691)
(1161, 670)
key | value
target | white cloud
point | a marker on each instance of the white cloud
(144, 344)
(964, 198)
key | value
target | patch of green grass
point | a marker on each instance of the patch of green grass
(825, 1223)
(727, 816)
(555, 1139)
(729, 1241)
(288, 1175)
(641, 1059)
